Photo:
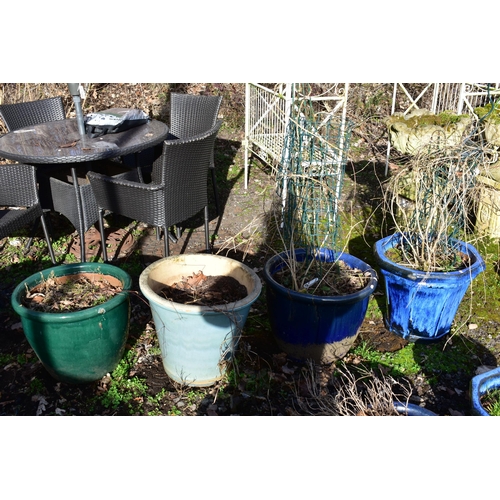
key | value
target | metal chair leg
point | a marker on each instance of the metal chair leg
(207, 233)
(103, 236)
(47, 238)
(216, 195)
(32, 236)
(83, 257)
(166, 239)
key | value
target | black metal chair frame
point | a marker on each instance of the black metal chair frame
(178, 189)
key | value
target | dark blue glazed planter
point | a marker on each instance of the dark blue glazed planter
(421, 306)
(308, 326)
(480, 385)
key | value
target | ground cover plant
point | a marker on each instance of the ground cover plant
(261, 380)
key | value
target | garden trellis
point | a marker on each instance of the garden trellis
(302, 132)
(310, 177)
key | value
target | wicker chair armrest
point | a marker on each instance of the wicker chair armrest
(132, 199)
(127, 179)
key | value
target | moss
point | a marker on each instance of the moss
(484, 111)
(444, 119)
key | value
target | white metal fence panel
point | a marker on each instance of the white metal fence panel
(268, 110)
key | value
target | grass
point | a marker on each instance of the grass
(430, 359)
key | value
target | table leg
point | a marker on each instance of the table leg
(80, 212)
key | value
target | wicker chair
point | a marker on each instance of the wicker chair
(65, 193)
(18, 189)
(178, 189)
(25, 114)
(191, 115)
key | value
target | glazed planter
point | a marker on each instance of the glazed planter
(78, 346)
(196, 341)
(314, 327)
(480, 385)
(421, 306)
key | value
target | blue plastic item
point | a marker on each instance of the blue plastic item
(481, 384)
(308, 326)
(421, 306)
(411, 410)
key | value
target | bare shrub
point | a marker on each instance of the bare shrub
(354, 392)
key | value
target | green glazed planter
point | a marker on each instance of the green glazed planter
(79, 346)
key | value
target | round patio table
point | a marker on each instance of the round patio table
(59, 142)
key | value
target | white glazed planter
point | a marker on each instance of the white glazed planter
(196, 342)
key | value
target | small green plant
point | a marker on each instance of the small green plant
(5, 359)
(123, 391)
(400, 363)
(174, 412)
(36, 386)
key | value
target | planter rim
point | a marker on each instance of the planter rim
(390, 241)
(193, 308)
(67, 270)
(308, 297)
(480, 385)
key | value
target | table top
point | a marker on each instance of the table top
(60, 142)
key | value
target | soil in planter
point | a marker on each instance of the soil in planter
(71, 293)
(325, 279)
(202, 290)
(453, 261)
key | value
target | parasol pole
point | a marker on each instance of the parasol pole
(75, 92)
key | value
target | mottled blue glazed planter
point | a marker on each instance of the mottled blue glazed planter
(196, 341)
(308, 326)
(480, 385)
(421, 306)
